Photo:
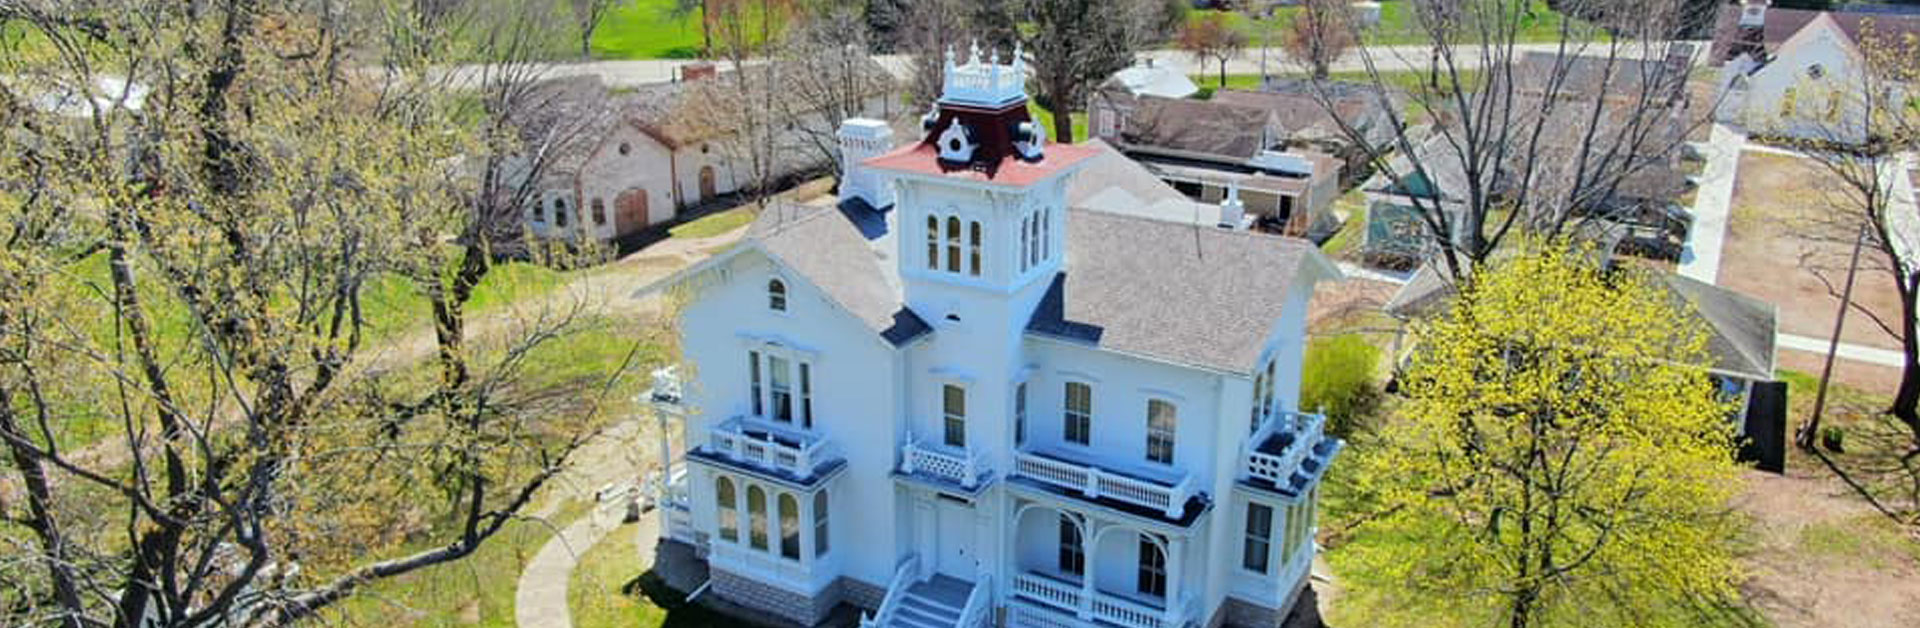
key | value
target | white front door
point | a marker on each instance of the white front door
(955, 540)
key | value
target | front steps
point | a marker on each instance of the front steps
(934, 603)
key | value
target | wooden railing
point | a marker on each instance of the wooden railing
(757, 442)
(1050, 595)
(903, 577)
(1276, 468)
(1094, 483)
(978, 613)
(964, 468)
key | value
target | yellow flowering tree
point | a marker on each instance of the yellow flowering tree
(1560, 461)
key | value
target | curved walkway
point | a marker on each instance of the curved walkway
(541, 597)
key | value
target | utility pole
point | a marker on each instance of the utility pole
(1809, 430)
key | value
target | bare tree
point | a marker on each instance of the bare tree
(742, 106)
(242, 195)
(1072, 45)
(1320, 34)
(1548, 134)
(588, 13)
(1859, 124)
(830, 76)
(926, 30)
(1212, 38)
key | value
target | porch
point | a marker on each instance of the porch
(1074, 568)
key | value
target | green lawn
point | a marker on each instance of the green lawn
(647, 29)
(475, 591)
(1045, 116)
(1396, 27)
(608, 588)
(713, 224)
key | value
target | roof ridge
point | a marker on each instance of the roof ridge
(1247, 233)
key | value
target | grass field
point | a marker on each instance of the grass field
(609, 588)
(647, 29)
(1396, 27)
(475, 591)
(1045, 116)
(713, 224)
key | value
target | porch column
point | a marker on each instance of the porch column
(1176, 552)
(1089, 532)
(805, 521)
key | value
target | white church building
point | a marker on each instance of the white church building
(953, 400)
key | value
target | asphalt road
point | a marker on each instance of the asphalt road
(1386, 58)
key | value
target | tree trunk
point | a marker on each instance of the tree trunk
(1908, 395)
(1062, 123)
(41, 519)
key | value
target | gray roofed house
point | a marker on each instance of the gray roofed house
(1172, 292)
(1741, 328)
(1203, 148)
(1112, 183)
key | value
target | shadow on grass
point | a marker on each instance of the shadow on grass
(649, 587)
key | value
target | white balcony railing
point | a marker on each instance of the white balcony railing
(964, 468)
(1169, 498)
(1059, 596)
(770, 446)
(1276, 467)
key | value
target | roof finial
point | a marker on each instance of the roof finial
(949, 57)
(1019, 62)
(973, 55)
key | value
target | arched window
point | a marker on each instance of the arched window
(756, 517)
(723, 503)
(1026, 241)
(776, 295)
(1046, 234)
(599, 213)
(933, 243)
(789, 526)
(1162, 419)
(1073, 556)
(1152, 577)
(953, 244)
(1033, 241)
(820, 535)
(973, 248)
(560, 212)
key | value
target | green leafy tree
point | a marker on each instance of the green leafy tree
(1559, 462)
(1338, 379)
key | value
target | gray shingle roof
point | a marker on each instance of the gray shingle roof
(841, 252)
(1112, 183)
(1740, 328)
(1198, 296)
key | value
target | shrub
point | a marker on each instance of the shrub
(1338, 379)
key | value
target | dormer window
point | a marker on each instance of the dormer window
(776, 295)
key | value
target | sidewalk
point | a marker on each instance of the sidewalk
(541, 598)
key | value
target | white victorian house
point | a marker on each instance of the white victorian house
(974, 406)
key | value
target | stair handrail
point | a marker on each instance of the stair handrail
(976, 613)
(896, 590)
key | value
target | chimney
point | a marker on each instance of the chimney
(862, 139)
(1233, 213)
(698, 71)
(1754, 14)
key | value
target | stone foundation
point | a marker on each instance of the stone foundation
(861, 595)
(1301, 611)
(787, 605)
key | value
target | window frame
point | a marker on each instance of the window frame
(1161, 439)
(1071, 555)
(822, 535)
(789, 522)
(1076, 422)
(1263, 538)
(757, 517)
(953, 244)
(953, 415)
(726, 504)
(1150, 578)
(777, 294)
(780, 387)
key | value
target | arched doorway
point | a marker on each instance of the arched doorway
(630, 211)
(707, 190)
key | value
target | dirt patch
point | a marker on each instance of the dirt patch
(1820, 557)
(1780, 205)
